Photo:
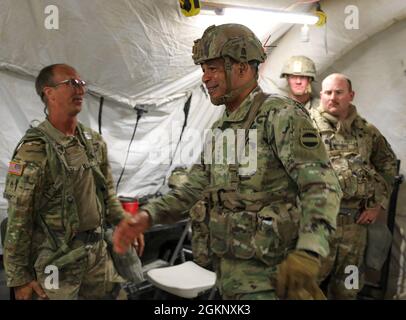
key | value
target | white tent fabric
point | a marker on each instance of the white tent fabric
(137, 53)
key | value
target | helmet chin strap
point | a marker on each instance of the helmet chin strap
(231, 94)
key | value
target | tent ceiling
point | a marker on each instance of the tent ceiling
(131, 40)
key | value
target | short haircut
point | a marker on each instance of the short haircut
(349, 84)
(46, 78)
(340, 76)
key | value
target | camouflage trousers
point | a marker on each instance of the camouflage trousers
(91, 277)
(347, 248)
(239, 279)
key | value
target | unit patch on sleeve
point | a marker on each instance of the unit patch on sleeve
(16, 168)
(309, 138)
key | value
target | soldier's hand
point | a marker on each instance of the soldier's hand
(369, 215)
(297, 277)
(139, 244)
(25, 291)
(128, 230)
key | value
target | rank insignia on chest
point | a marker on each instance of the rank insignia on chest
(309, 138)
(16, 168)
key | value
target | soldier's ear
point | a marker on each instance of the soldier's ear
(352, 93)
(47, 92)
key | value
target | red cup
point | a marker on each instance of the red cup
(131, 207)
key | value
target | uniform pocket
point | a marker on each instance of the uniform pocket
(200, 234)
(218, 226)
(242, 228)
(277, 232)
(266, 239)
(346, 177)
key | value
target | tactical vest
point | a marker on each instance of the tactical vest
(63, 185)
(350, 158)
(241, 220)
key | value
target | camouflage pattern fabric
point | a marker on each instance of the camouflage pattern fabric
(46, 187)
(347, 248)
(228, 40)
(362, 158)
(91, 277)
(312, 103)
(200, 234)
(246, 280)
(366, 167)
(258, 215)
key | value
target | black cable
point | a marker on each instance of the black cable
(100, 113)
(139, 114)
(186, 109)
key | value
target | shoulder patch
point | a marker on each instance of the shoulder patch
(16, 168)
(309, 138)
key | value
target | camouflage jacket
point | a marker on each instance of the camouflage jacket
(287, 198)
(360, 155)
(43, 190)
(312, 103)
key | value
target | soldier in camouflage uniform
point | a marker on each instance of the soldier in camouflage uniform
(60, 193)
(299, 72)
(366, 167)
(267, 225)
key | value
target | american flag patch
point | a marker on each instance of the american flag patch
(15, 168)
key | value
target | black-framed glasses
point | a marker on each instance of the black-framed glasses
(74, 83)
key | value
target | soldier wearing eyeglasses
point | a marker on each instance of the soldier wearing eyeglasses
(60, 193)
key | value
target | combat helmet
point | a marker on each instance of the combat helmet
(228, 40)
(232, 42)
(299, 66)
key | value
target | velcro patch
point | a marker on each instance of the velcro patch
(309, 138)
(16, 168)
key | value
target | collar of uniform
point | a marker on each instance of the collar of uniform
(55, 134)
(329, 117)
(241, 112)
(312, 103)
(352, 114)
(346, 125)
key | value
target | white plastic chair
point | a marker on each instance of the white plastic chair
(186, 280)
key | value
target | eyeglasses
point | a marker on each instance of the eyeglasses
(74, 83)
